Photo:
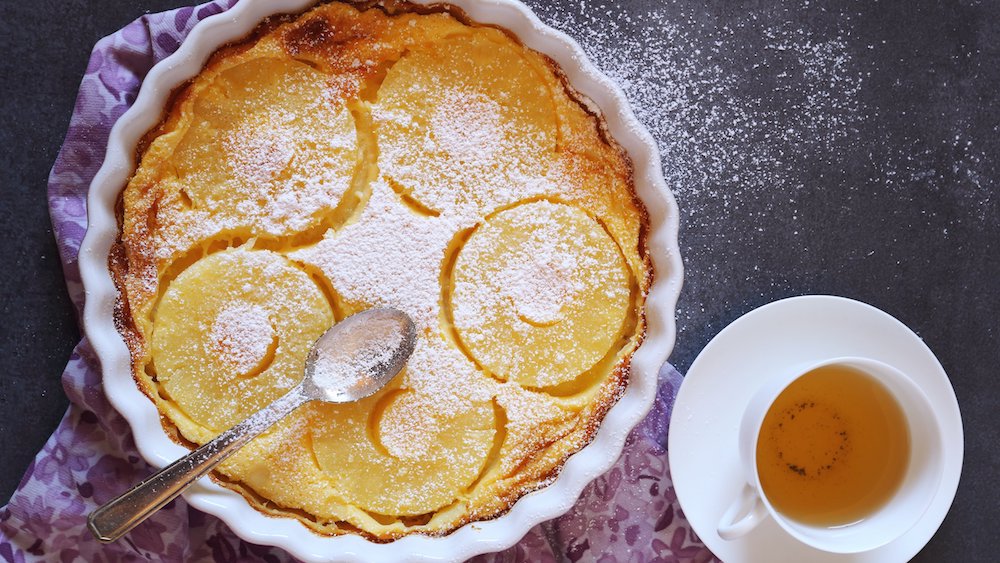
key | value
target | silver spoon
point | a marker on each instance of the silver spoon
(350, 361)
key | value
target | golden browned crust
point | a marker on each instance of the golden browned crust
(141, 268)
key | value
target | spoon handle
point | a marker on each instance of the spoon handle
(112, 520)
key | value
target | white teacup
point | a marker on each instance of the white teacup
(900, 513)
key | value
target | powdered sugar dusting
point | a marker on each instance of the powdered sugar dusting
(389, 257)
(407, 433)
(469, 158)
(271, 170)
(540, 293)
(542, 284)
(259, 153)
(242, 333)
(448, 384)
(467, 126)
(446, 378)
(536, 277)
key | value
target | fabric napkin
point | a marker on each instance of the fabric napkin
(629, 514)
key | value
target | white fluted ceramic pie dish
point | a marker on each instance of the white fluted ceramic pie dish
(479, 537)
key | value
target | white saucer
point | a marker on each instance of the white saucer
(704, 461)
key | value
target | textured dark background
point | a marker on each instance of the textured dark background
(823, 147)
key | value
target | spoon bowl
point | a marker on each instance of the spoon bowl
(350, 361)
(358, 356)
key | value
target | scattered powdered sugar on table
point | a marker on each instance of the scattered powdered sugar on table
(717, 138)
(242, 333)
(738, 103)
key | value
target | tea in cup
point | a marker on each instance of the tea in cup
(844, 454)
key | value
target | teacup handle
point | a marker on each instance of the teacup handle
(753, 512)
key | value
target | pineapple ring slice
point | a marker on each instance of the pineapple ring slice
(232, 332)
(540, 293)
(462, 122)
(397, 454)
(268, 146)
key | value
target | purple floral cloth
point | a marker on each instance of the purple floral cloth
(629, 514)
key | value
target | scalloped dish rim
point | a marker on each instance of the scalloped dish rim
(471, 539)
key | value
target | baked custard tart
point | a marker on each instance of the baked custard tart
(362, 155)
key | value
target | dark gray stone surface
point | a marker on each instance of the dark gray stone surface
(832, 147)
